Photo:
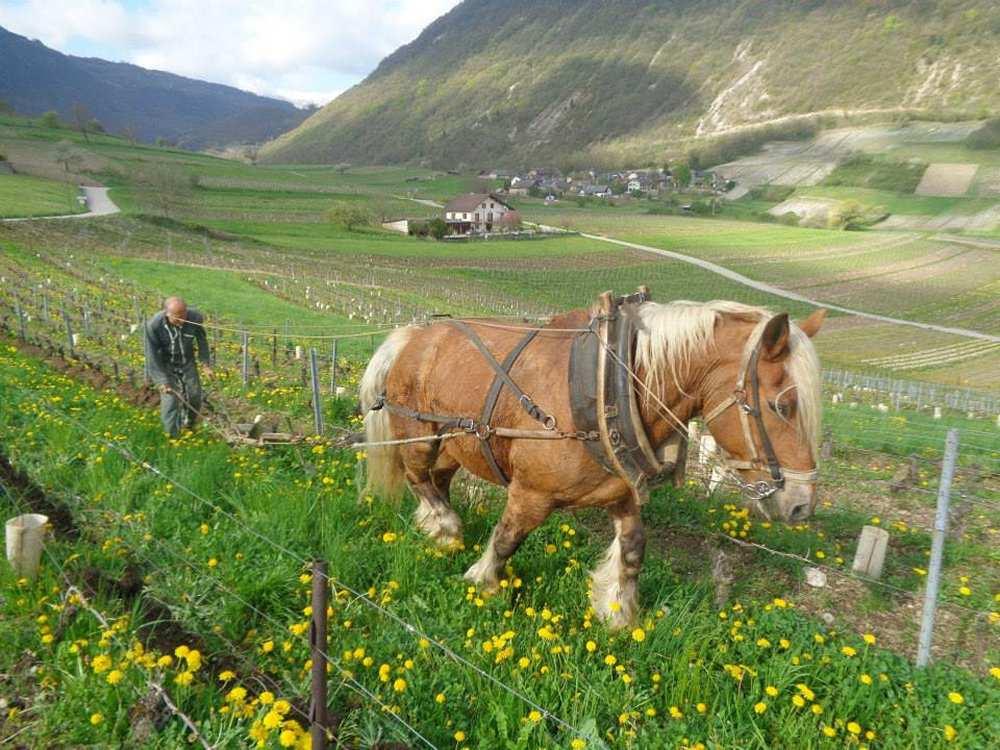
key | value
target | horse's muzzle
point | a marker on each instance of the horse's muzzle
(795, 502)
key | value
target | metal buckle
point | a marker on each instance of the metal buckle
(549, 423)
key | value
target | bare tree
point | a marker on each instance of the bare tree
(82, 119)
(68, 156)
(129, 132)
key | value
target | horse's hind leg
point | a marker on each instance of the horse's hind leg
(614, 584)
(429, 473)
(523, 513)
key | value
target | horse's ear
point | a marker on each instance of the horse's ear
(774, 340)
(811, 325)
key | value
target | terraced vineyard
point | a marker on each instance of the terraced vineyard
(181, 567)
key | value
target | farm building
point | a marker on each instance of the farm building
(474, 213)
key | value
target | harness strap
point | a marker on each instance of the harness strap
(491, 401)
(529, 406)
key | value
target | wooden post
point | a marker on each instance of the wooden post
(937, 549)
(317, 394)
(274, 347)
(317, 642)
(245, 358)
(333, 369)
(45, 306)
(869, 558)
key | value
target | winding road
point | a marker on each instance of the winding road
(99, 203)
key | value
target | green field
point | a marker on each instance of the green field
(23, 195)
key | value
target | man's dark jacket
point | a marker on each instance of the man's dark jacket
(170, 349)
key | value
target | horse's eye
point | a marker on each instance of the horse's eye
(780, 408)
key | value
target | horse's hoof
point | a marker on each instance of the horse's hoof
(484, 583)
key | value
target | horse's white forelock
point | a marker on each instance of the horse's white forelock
(672, 334)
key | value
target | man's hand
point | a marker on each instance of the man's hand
(165, 388)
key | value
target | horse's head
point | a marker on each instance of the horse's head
(762, 406)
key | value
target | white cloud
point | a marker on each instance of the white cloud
(299, 49)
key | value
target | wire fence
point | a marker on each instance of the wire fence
(105, 334)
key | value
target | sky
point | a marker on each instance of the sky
(306, 51)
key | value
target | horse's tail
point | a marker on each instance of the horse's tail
(385, 464)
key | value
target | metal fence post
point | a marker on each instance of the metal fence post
(69, 333)
(20, 320)
(937, 549)
(245, 358)
(333, 369)
(317, 395)
(317, 641)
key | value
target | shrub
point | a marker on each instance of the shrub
(350, 216)
(771, 193)
(986, 136)
(50, 120)
(417, 228)
(437, 227)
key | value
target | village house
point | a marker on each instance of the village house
(475, 213)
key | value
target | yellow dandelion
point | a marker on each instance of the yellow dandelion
(853, 727)
(610, 660)
(534, 716)
(114, 677)
(638, 635)
(287, 738)
(829, 731)
(96, 718)
(848, 651)
(949, 733)
(771, 690)
(869, 639)
(956, 698)
(760, 707)
(578, 744)
(459, 736)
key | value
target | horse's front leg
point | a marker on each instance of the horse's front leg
(614, 590)
(525, 511)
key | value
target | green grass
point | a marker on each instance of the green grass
(895, 203)
(210, 560)
(866, 171)
(23, 195)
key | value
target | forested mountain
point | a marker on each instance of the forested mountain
(151, 104)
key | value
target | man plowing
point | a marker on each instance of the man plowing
(170, 338)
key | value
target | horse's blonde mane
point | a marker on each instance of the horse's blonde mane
(671, 335)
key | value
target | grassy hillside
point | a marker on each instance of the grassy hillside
(23, 195)
(586, 81)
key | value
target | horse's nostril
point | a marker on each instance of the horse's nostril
(799, 512)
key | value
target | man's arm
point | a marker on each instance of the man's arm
(154, 365)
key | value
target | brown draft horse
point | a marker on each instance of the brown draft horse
(690, 355)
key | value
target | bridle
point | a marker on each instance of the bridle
(762, 489)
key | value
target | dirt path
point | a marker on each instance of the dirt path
(99, 203)
(778, 292)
